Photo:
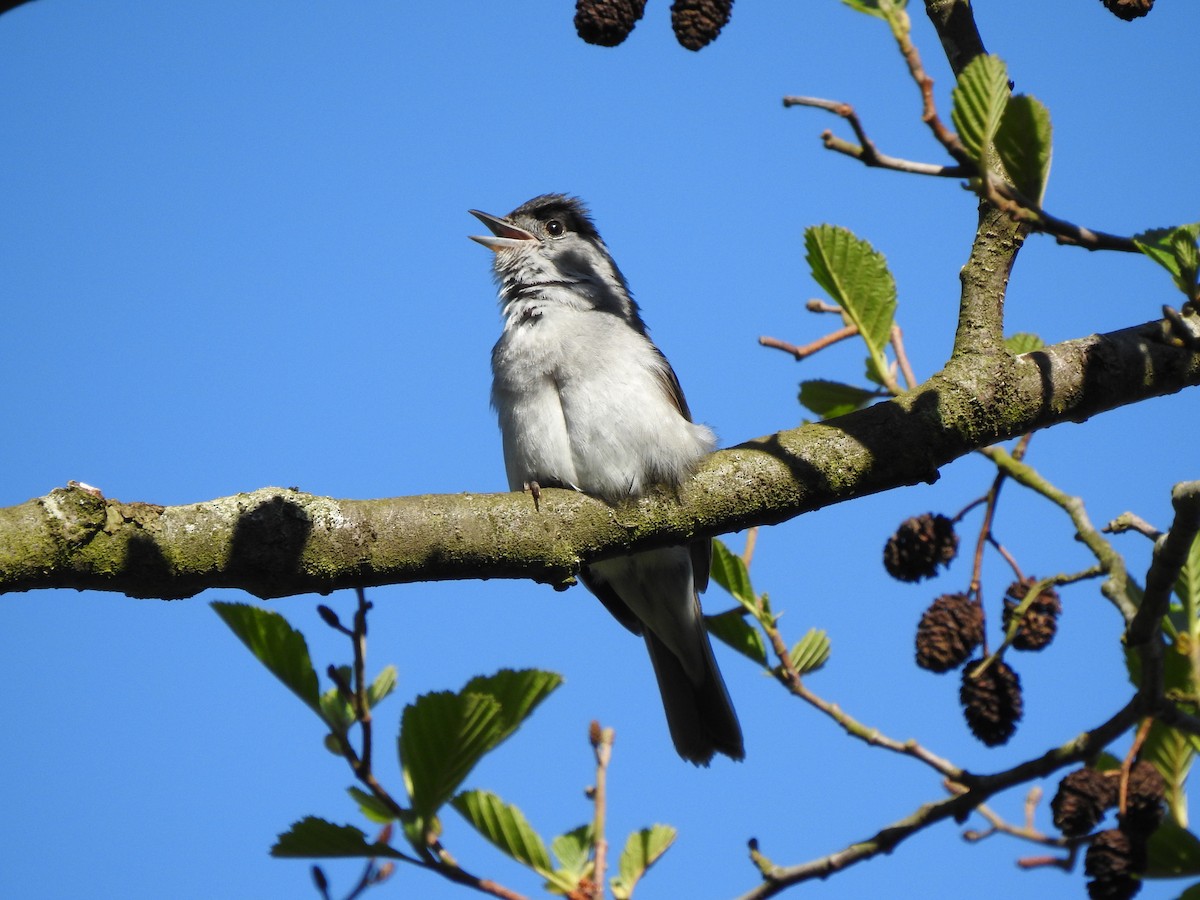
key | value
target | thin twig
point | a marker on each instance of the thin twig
(906, 370)
(809, 349)
(1128, 521)
(790, 678)
(602, 742)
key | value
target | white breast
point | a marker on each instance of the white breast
(581, 402)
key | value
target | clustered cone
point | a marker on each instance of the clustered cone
(948, 631)
(919, 546)
(1128, 9)
(1113, 861)
(1117, 856)
(1040, 622)
(992, 702)
(1143, 801)
(698, 22)
(607, 22)
(1082, 798)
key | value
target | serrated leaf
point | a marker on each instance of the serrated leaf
(730, 572)
(829, 399)
(277, 645)
(1174, 249)
(371, 806)
(980, 98)
(1172, 852)
(642, 850)
(1172, 753)
(1187, 585)
(1023, 342)
(1023, 142)
(443, 735)
(506, 828)
(316, 838)
(384, 684)
(573, 852)
(811, 651)
(857, 278)
(518, 691)
(732, 629)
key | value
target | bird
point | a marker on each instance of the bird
(587, 402)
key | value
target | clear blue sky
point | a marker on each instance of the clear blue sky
(233, 254)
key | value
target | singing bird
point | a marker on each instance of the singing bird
(587, 402)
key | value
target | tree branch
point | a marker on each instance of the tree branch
(276, 542)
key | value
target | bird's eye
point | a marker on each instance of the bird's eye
(554, 228)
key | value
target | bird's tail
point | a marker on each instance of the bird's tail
(700, 714)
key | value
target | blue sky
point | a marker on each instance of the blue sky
(233, 254)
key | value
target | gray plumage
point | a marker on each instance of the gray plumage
(586, 401)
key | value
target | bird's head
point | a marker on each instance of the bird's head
(549, 246)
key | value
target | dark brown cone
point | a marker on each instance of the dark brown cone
(919, 546)
(992, 702)
(607, 23)
(1082, 798)
(1040, 622)
(698, 22)
(1128, 9)
(948, 631)
(1143, 801)
(1113, 861)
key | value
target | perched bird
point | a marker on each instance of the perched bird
(587, 402)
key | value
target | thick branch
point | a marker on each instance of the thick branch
(276, 542)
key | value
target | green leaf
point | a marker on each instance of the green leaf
(1190, 893)
(1187, 585)
(1172, 852)
(277, 645)
(1174, 249)
(641, 851)
(443, 735)
(1023, 142)
(335, 708)
(573, 851)
(518, 691)
(384, 684)
(731, 628)
(980, 98)
(857, 278)
(371, 806)
(811, 651)
(833, 398)
(877, 8)
(1172, 753)
(505, 827)
(1023, 342)
(316, 838)
(730, 572)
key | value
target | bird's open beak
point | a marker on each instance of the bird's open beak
(506, 236)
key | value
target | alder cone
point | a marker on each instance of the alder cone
(919, 546)
(992, 702)
(1040, 622)
(607, 23)
(1128, 9)
(948, 631)
(697, 23)
(1082, 798)
(1113, 861)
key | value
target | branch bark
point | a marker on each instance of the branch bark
(276, 542)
